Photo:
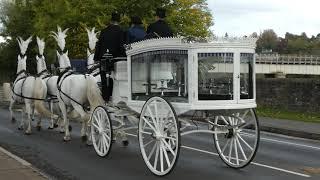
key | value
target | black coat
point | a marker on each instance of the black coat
(113, 39)
(161, 28)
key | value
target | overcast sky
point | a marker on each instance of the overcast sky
(242, 17)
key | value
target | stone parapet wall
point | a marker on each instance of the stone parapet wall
(293, 94)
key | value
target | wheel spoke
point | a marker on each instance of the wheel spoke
(145, 145)
(170, 138)
(152, 150)
(95, 125)
(152, 117)
(156, 157)
(225, 146)
(106, 141)
(224, 120)
(144, 132)
(161, 156)
(156, 114)
(169, 147)
(236, 151)
(246, 124)
(240, 147)
(245, 142)
(230, 150)
(166, 156)
(106, 137)
(146, 121)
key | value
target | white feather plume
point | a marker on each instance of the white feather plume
(24, 44)
(92, 36)
(60, 37)
(41, 45)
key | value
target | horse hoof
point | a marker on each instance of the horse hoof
(66, 138)
(125, 143)
(70, 128)
(32, 119)
(38, 128)
(84, 138)
(50, 128)
(13, 120)
(20, 128)
(27, 133)
(89, 143)
(55, 126)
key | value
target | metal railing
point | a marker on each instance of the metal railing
(287, 59)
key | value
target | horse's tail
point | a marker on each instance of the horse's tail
(93, 93)
(40, 92)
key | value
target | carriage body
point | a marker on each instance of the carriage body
(166, 80)
(192, 76)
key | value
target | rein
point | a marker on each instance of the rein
(62, 77)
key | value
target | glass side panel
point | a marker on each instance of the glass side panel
(160, 73)
(246, 75)
(215, 76)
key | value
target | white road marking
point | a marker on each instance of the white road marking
(286, 142)
(257, 164)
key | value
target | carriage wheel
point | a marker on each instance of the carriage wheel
(238, 147)
(159, 136)
(101, 131)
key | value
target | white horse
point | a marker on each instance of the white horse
(74, 90)
(28, 89)
(50, 80)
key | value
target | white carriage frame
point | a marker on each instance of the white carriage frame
(223, 45)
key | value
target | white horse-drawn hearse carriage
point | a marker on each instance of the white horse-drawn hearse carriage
(164, 81)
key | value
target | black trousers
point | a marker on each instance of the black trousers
(106, 86)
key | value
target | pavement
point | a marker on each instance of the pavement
(294, 128)
(15, 168)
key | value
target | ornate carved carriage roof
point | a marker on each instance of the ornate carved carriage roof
(183, 43)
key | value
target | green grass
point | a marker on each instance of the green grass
(289, 115)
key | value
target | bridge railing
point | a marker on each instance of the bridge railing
(288, 59)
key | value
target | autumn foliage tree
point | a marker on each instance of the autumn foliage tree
(39, 17)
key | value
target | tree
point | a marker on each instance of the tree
(39, 17)
(267, 40)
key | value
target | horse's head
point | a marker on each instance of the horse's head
(64, 61)
(41, 45)
(22, 63)
(41, 63)
(60, 37)
(23, 44)
(92, 36)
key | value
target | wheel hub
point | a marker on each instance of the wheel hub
(231, 133)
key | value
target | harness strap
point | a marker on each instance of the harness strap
(21, 95)
(59, 84)
(42, 72)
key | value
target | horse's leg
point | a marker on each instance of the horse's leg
(66, 121)
(32, 111)
(84, 118)
(12, 101)
(29, 112)
(51, 118)
(39, 120)
(123, 134)
(22, 123)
